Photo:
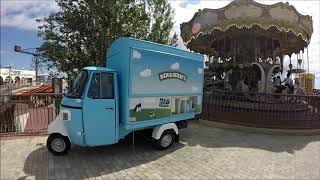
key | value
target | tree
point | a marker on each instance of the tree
(79, 34)
(161, 21)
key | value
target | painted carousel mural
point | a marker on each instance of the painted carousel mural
(246, 43)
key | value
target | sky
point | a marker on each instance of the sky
(18, 26)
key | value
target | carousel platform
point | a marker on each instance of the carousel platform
(275, 111)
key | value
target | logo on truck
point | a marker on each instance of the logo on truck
(172, 75)
(164, 102)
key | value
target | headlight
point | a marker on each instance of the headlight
(65, 116)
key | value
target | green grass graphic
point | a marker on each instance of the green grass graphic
(145, 114)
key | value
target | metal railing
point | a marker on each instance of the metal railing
(28, 113)
(267, 110)
(31, 113)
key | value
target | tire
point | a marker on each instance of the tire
(58, 144)
(166, 140)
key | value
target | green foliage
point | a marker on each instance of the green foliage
(80, 33)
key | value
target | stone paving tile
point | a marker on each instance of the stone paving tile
(203, 153)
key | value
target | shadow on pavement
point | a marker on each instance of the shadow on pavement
(201, 135)
(83, 162)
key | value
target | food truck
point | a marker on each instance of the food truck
(144, 86)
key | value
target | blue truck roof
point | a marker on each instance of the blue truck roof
(95, 68)
(124, 42)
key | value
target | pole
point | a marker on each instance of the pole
(297, 60)
(36, 69)
(308, 59)
(133, 141)
(302, 54)
(10, 75)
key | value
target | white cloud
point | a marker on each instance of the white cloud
(145, 73)
(22, 14)
(200, 71)
(175, 66)
(183, 4)
(136, 54)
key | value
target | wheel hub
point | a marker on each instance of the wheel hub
(58, 145)
(166, 140)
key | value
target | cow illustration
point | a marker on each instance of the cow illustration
(137, 108)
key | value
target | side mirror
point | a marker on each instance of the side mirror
(70, 86)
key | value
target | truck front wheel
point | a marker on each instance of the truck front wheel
(58, 144)
(166, 140)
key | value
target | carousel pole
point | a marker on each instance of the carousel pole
(266, 50)
(225, 49)
(308, 59)
(297, 60)
(234, 52)
(273, 54)
(302, 54)
(290, 65)
(255, 48)
(281, 61)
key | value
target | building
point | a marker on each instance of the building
(16, 76)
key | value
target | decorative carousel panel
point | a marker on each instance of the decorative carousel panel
(206, 19)
(243, 11)
(283, 14)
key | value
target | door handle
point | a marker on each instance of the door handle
(110, 108)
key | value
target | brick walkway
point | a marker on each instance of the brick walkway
(204, 152)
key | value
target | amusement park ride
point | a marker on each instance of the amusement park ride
(246, 43)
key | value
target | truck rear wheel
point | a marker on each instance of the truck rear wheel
(58, 144)
(166, 140)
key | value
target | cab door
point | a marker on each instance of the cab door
(99, 113)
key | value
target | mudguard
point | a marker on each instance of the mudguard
(158, 130)
(57, 126)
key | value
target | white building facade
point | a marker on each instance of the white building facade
(17, 76)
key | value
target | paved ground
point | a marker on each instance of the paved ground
(204, 152)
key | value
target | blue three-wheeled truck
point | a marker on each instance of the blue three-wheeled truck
(144, 86)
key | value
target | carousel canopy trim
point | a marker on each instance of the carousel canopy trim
(246, 14)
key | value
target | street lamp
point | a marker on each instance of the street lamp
(35, 54)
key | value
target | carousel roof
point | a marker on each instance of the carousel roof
(280, 21)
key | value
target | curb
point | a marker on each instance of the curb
(307, 132)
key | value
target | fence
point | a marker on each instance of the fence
(27, 114)
(31, 113)
(262, 110)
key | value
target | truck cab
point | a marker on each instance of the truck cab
(84, 109)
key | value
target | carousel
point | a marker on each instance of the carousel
(248, 46)
(246, 43)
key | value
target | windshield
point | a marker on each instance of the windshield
(78, 85)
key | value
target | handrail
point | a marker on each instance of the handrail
(263, 93)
